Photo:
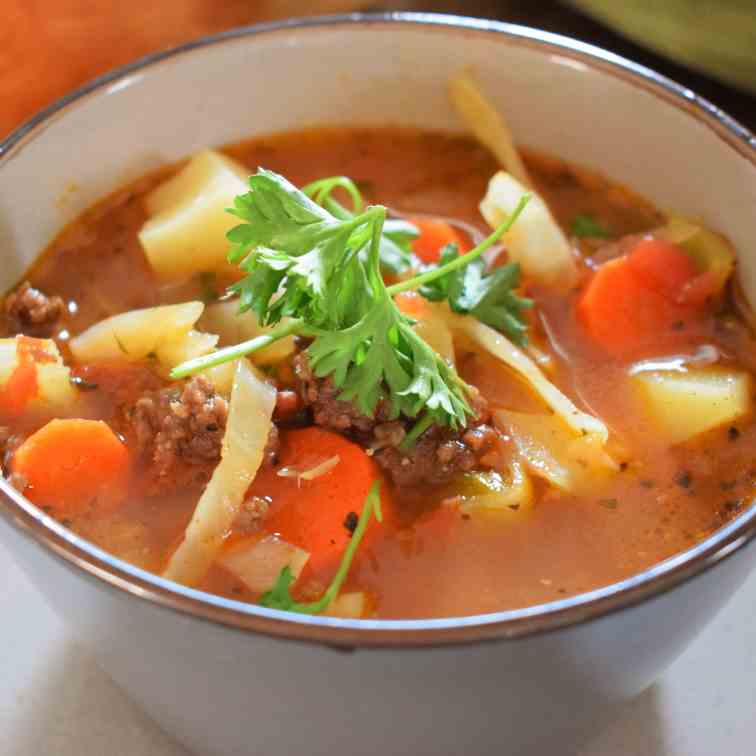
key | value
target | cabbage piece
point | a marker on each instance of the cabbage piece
(500, 347)
(249, 422)
(135, 334)
(258, 562)
(233, 327)
(487, 124)
(535, 241)
(186, 234)
(551, 450)
(685, 404)
(54, 390)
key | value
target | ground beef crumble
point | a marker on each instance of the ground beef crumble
(177, 427)
(30, 312)
(437, 456)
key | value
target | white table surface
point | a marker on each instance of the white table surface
(54, 701)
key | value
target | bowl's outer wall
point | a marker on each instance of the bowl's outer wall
(227, 692)
(223, 691)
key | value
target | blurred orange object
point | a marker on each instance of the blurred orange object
(48, 47)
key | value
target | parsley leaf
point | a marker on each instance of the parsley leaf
(316, 272)
(279, 596)
(490, 297)
(587, 225)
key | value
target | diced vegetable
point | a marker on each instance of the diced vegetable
(713, 254)
(432, 322)
(352, 605)
(134, 335)
(491, 491)
(685, 404)
(551, 450)
(73, 466)
(247, 428)
(258, 562)
(632, 303)
(535, 241)
(232, 326)
(315, 514)
(434, 236)
(187, 231)
(187, 347)
(500, 347)
(487, 123)
(33, 378)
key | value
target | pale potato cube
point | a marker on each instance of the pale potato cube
(232, 327)
(683, 405)
(353, 605)
(187, 231)
(135, 334)
(535, 240)
(54, 390)
(187, 347)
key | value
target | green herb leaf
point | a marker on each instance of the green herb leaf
(279, 596)
(587, 225)
(490, 297)
(321, 272)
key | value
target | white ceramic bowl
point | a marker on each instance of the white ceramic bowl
(230, 678)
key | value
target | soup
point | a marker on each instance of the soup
(558, 414)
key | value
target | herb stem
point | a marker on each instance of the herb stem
(190, 367)
(371, 506)
(417, 430)
(417, 281)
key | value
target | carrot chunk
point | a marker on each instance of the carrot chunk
(317, 491)
(637, 303)
(434, 236)
(72, 465)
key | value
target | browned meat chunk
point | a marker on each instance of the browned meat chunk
(33, 313)
(438, 455)
(320, 395)
(184, 425)
(180, 428)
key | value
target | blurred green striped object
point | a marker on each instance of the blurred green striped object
(717, 37)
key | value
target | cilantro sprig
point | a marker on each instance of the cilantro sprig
(279, 596)
(492, 297)
(315, 270)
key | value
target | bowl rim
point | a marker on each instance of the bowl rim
(107, 572)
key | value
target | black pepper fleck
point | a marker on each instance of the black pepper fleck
(350, 521)
(733, 434)
(684, 479)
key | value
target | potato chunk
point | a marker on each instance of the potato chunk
(683, 405)
(48, 379)
(135, 334)
(187, 231)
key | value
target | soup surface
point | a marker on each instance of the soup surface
(445, 546)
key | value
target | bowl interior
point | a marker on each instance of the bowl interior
(556, 94)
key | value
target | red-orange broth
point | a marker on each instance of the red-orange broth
(662, 501)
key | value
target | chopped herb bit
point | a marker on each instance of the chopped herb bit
(279, 596)
(120, 343)
(684, 479)
(647, 483)
(609, 503)
(490, 297)
(587, 225)
(733, 434)
(82, 383)
(350, 521)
